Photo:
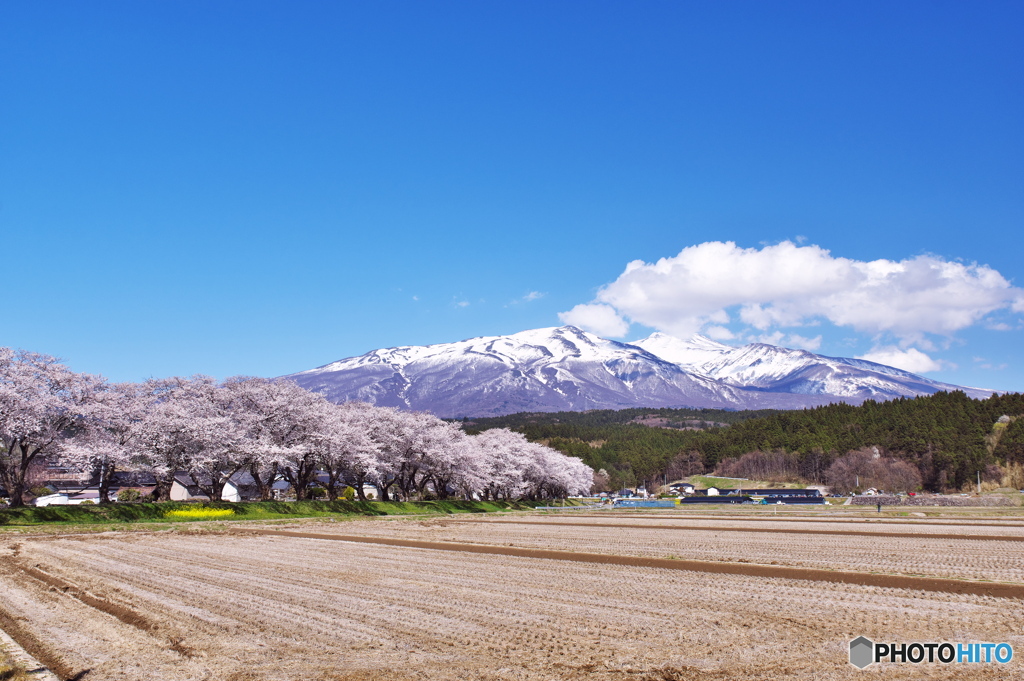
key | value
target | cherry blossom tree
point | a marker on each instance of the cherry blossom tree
(553, 475)
(386, 427)
(278, 420)
(107, 442)
(505, 457)
(517, 468)
(188, 427)
(298, 432)
(345, 449)
(445, 458)
(41, 403)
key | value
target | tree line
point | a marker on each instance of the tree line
(273, 430)
(947, 437)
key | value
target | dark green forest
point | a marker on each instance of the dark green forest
(949, 437)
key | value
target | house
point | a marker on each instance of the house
(770, 499)
(781, 493)
(682, 487)
(240, 487)
(66, 499)
(141, 481)
(715, 499)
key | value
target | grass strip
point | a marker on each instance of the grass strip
(256, 510)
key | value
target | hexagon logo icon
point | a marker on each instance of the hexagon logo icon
(862, 652)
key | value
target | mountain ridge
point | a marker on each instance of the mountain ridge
(568, 369)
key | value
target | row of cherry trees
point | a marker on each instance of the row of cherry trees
(272, 430)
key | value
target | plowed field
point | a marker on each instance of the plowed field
(232, 605)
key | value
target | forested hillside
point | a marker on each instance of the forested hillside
(949, 437)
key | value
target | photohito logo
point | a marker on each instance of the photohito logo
(864, 651)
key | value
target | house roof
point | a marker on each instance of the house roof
(240, 478)
(810, 492)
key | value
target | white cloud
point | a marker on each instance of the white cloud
(788, 285)
(912, 360)
(462, 303)
(792, 340)
(528, 298)
(796, 341)
(596, 318)
(773, 338)
(719, 333)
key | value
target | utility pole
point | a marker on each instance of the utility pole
(979, 483)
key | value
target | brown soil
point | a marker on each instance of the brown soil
(23, 635)
(842, 532)
(920, 555)
(241, 606)
(953, 586)
(126, 615)
(831, 516)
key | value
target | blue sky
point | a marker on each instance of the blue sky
(260, 188)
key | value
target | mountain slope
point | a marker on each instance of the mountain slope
(539, 370)
(769, 368)
(565, 369)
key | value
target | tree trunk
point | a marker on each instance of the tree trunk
(441, 487)
(106, 472)
(300, 477)
(264, 485)
(162, 490)
(384, 486)
(421, 488)
(332, 483)
(17, 492)
(14, 474)
(218, 480)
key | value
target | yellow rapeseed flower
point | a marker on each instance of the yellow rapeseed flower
(199, 513)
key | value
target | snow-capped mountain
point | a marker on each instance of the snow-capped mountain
(764, 367)
(541, 370)
(564, 368)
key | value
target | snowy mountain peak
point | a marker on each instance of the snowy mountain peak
(566, 368)
(770, 368)
(694, 352)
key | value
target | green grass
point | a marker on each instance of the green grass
(262, 510)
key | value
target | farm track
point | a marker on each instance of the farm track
(236, 606)
(843, 517)
(842, 532)
(923, 555)
(997, 590)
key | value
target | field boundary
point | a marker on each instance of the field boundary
(118, 513)
(844, 533)
(955, 586)
(888, 520)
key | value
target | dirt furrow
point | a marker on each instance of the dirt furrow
(843, 533)
(1001, 590)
